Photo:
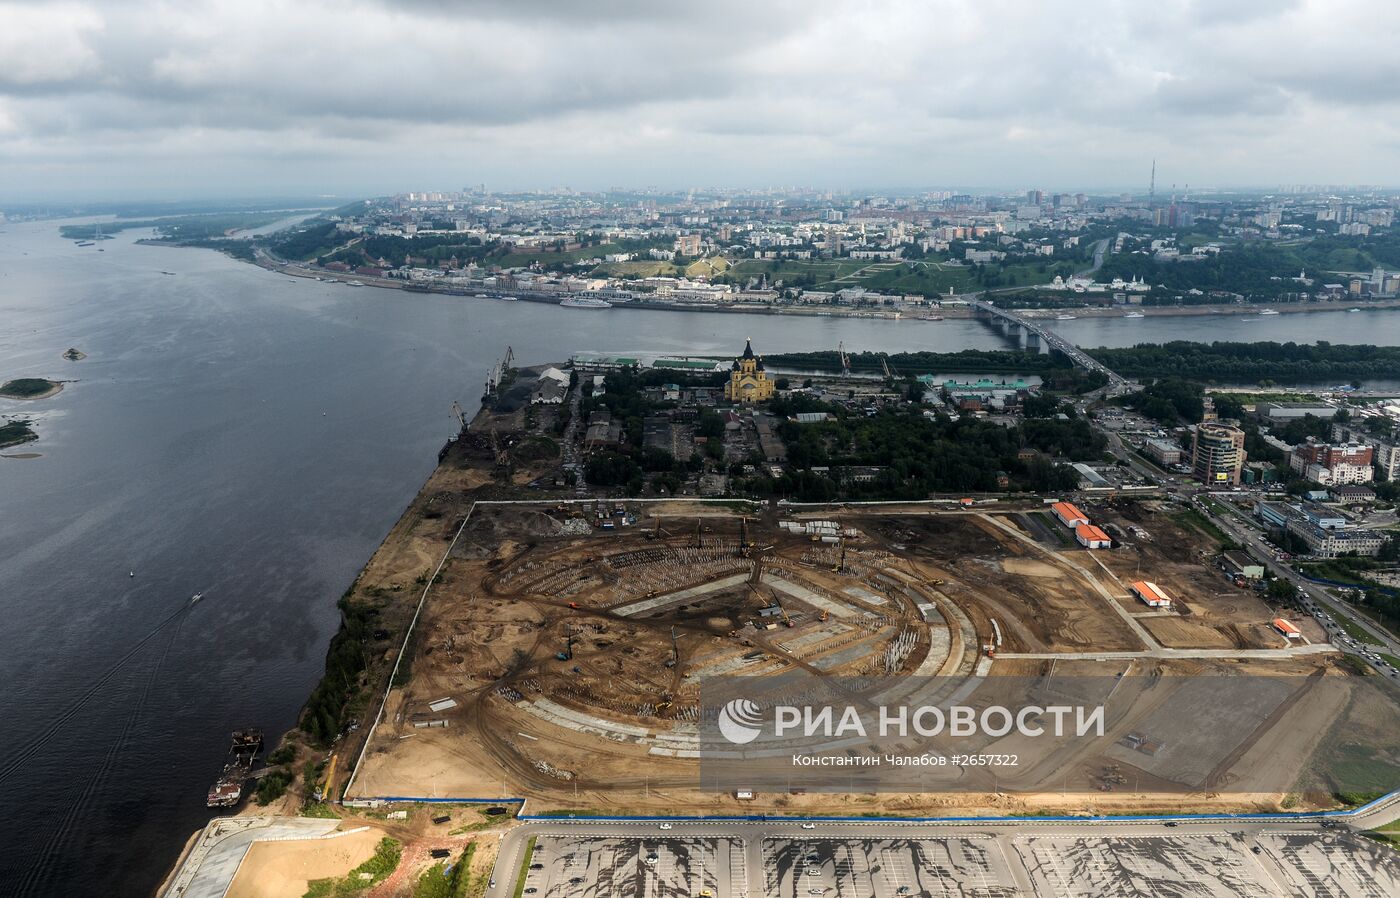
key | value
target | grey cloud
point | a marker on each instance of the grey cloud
(914, 89)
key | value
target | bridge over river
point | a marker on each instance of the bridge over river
(1035, 334)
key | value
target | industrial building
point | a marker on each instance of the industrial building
(1288, 629)
(1238, 564)
(1287, 411)
(1069, 515)
(1089, 479)
(1217, 453)
(1091, 537)
(1326, 533)
(1163, 452)
(1151, 594)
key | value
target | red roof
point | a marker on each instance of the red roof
(1150, 592)
(1091, 533)
(1286, 627)
(1068, 512)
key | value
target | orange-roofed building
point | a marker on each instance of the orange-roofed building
(1069, 515)
(1091, 537)
(1151, 594)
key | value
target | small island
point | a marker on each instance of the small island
(74, 354)
(30, 388)
(15, 432)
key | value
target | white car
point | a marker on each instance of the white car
(664, 826)
(809, 826)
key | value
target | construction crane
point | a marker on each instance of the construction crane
(675, 651)
(840, 566)
(885, 363)
(845, 359)
(744, 537)
(460, 415)
(568, 653)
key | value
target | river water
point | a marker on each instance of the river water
(253, 437)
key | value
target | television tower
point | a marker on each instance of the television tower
(1152, 184)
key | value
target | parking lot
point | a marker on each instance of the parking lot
(1256, 863)
(1208, 866)
(636, 867)
(886, 868)
(1334, 866)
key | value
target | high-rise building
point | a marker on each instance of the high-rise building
(1217, 453)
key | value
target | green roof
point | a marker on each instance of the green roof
(692, 364)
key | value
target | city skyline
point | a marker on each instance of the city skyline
(116, 101)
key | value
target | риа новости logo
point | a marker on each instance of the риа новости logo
(740, 721)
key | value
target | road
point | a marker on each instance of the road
(1100, 251)
(1246, 533)
(1243, 530)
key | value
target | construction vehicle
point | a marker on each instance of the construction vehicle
(825, 615)
(744, 537)
(568, 653)
(675, 651)
(573, 605)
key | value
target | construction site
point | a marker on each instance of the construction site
(562, 647)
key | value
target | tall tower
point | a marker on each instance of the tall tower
(1152, 184)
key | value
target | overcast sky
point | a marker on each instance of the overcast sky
(248, 97)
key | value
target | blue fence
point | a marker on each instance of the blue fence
(774, 818)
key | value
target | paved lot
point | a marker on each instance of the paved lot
(1344, 866)
(695, 860)
(1209, 866)
(886, 868)
(218, 851)
(637, 867)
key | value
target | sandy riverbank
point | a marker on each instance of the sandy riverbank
(284, 869)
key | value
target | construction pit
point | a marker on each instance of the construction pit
(562, 649)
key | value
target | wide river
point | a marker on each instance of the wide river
(252, 437)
